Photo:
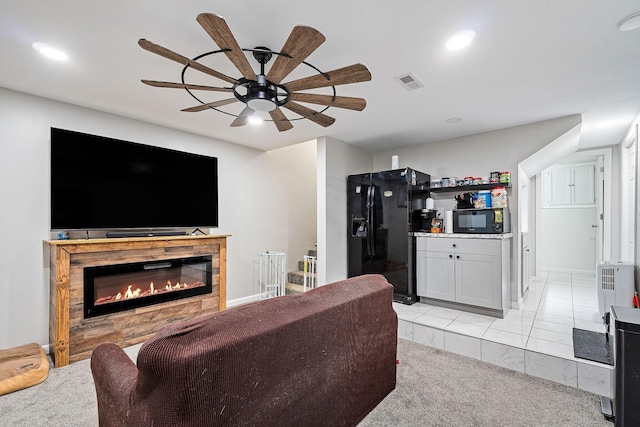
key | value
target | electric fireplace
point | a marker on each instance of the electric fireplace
(119, 287)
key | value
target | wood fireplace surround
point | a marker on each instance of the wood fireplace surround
(73, 338)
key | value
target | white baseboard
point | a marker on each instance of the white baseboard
(244, 300)
(570, 271)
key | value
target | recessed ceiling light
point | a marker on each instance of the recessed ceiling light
(461, 40)
(50, 51)
(454, 120)
(629, 23)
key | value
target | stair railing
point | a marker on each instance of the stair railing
(309, 271)
(272, 274)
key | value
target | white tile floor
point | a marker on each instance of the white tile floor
(536, 339)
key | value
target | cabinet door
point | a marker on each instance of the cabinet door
(477, 280)
(560, 186)
(435, 275)
(584, 185)
(571, 185)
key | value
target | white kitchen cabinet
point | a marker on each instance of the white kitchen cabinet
(569, 185)
(469, 271)
(437, 270)
(478, 280)
(584, 189)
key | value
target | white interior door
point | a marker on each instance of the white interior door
(571, 229)
(569, 239)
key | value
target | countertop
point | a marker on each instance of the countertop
(502, 236)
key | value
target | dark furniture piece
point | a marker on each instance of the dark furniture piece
(625, 322)
(323, 358)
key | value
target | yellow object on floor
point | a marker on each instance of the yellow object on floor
(22, 367)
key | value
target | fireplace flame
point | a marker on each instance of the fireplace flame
(170, 287)
(131, 293)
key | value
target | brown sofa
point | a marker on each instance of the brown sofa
(323, 358)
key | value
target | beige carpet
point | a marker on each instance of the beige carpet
(438, 388)
(434, 388)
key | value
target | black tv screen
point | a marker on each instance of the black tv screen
(105, 183)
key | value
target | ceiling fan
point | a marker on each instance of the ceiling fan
(266, 91)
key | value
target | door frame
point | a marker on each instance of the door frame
(628, 207)
(604, 182)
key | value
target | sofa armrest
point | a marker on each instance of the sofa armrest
(114, 375)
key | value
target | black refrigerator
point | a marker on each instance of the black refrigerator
(381, 208)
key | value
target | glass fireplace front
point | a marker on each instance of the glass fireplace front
(118, 287)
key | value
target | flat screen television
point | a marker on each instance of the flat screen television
(104, 183)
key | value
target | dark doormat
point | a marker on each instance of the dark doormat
(592, 346)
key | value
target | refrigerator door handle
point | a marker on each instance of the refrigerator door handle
(370, 213)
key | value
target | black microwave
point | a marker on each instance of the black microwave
(482, 221)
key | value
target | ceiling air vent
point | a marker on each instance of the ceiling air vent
(409, 82)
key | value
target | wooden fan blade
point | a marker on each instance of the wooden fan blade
(219, 31)
(156, 83)
(169, 54)
(299, 45)
(308, 113)
(210, 105)
(347, 102)
(351, 74)
(280, 120)
(241, 120)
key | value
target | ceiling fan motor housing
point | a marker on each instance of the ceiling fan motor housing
(261, 94)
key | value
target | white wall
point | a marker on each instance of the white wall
(477, 155)
(290, 181)
(255, 206)
(336, 160)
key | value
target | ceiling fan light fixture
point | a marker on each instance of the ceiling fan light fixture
(261, 104)
(255, 120)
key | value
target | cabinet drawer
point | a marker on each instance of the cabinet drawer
(471, 246)
(435, 244)
(478, 246)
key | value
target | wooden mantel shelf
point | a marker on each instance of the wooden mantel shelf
(73, 338)
(118, 241)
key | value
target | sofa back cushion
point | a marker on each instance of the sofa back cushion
(325, 357)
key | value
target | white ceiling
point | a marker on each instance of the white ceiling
(531, 60)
